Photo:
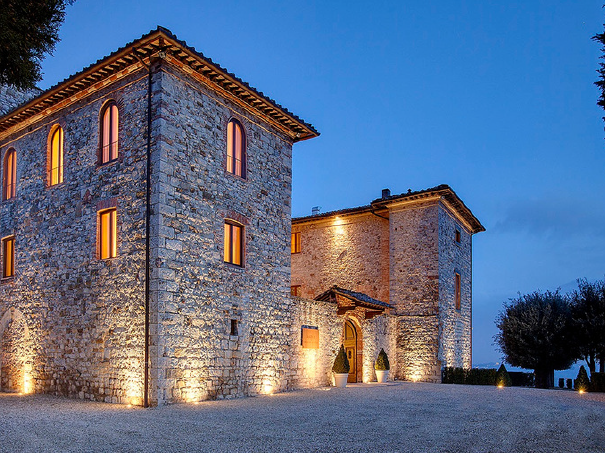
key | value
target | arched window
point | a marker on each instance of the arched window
(236, 149)
(109, 133)
(9, 181)
(55, 160)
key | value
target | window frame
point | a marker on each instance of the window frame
(230, 159)
(109, 107)
(8, 259)
(113, 234)
(296, 290)
(9, 190)
(231, 226)
(295, 243)
(457, 291)
(51, 154)
(458, 236)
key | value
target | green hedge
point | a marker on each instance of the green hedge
(597, 382)
(483, 376)
(521, 379)
(474, 376)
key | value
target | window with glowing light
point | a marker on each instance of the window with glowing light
(234, 243)
(109, 133)
(295, 247)
(457, 291)
(236, 149)
(9, 177)
(108, 244)
(296, 290)
(55, 158)
(8, 257)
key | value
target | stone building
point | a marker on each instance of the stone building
(145, 228)
(413, 251)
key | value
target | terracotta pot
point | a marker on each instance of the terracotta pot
(382, 376)
(340, 379)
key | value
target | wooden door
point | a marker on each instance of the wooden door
(350, 343)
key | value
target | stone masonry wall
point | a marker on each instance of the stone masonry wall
(414, 288)
(454, 257)
(11, 98)
(313, 367)
(197, 294)
(351, 252)
(84, 315)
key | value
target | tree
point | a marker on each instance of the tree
(536, 333)
(28, 30)
(588, 315)
(600, 37)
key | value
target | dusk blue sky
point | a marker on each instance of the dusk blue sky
(495, 99)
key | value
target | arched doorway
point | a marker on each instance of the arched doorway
(353, 350)
(15, 354)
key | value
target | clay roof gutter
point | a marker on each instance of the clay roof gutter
(127, 60)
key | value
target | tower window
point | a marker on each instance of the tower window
(457, 291)
(109, 133)
(55, 161)
(236, 149)
(9, 182)
(108, 244)
(234, 243)
(8, 257)
(295, 245)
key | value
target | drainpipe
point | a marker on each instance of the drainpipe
(147, 235)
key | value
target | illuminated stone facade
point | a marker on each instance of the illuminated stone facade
(406, 250)
(167, 319)
(74, 324)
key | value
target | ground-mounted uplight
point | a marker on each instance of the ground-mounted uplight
(500, 386)
(581, 391)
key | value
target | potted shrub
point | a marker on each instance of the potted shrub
(382, 367)
(341, 368)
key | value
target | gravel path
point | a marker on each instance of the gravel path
(379, 418)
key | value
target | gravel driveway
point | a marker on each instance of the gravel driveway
(364, 417)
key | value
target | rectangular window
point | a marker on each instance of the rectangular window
(457, 292)
(108, 244)
(295, 247)
(234, 244)
(457, 236)
(8, 257)
(233, 327)
(296, 290)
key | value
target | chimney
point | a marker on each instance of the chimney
(386, 193)
(315, 210)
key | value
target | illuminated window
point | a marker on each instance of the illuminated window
(457, 291)
(108, 244)
(55, 161)
(234, 243)
(8, 257)
(109, 133)
(457, 236)
(296, 290)
(9, 184)
(295, 247)
(236, 149)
